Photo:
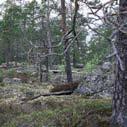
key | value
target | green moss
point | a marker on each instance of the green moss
(2, 84)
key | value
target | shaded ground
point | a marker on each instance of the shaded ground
(60, 111)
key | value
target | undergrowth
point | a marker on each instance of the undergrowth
(63, 112)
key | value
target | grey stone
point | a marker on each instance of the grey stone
(106, 66)
(83, 90)
(7, 80)
(34, 73)
(100, 78)
(12, 80)
(16, 81)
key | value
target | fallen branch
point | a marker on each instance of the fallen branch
(68, 92)
(48, 94)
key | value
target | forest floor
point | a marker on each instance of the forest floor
(73, 110)
(53, 111)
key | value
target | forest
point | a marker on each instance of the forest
(63, 63)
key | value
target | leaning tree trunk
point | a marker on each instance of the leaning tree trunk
(67, 54)
(119, 114)
(75, 45)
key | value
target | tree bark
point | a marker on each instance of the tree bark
(119, 113)
(40, 72)
(49, 35)
(76, 45)
(8, 53)
(67, 54)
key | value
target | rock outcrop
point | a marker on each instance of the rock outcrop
(100, 79)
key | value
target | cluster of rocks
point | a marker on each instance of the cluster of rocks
(12, 81)
(12, 64)
(99, 81)
(21, 74)
(101, 78)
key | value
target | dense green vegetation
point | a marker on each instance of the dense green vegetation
(22, 24)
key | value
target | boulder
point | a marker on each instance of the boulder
(16, 81)
(106, 66)
(7, 80)
(12, 80)
(34, 74)
(4, 65)
(101, 78)
(83, 90)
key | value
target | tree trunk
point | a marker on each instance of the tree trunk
(49, 35)
(119, 113)
(75, 54)
(8, 54)
(75, 45)
(47, 68)
(40, 72)
(67, 54)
